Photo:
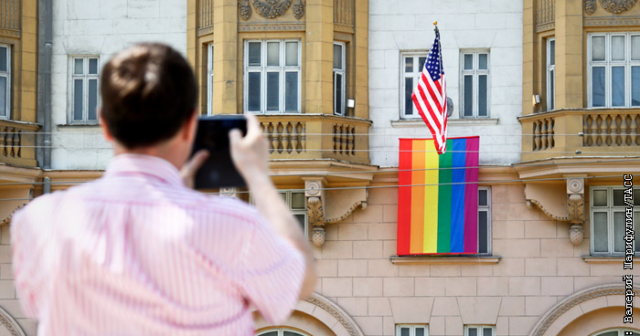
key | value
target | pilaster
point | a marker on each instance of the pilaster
(318, 83)
(225, 57)
(569, 54)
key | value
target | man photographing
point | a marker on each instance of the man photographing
(137, 252)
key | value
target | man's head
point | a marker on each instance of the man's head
(149, 96)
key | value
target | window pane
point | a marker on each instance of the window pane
(552, 52)
(254, 91)
(408, 64)
(408, 101)
(4, 94)
(636, 196)
(404, 331)
(611, 333)
(273, 54)
(337, 93)
(254, 53)
(93, 66)
(93, 99)
(468, 61)
(600, 230)
(618, 197)
(635, 86)
(298, 201)
(617, 80)
(301, 220)
(271, 333)
(291, 91)
(483, 232)
(273, 91)
(552, 89)
(77, 99)
(597, 48)
(635, 47)
(482, 197)
(419, 331)
(487, 332)
(337, 56)
(468, 96)
(618, 231)
(598, 86)
(482, 61)
(600, 198)
(3, 59)
(482, 96)
(289, 333)
(473, 332)
(292, 53)
(78, 66)
(617, 48)
(421, 61)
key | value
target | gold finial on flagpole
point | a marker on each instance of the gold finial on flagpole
(435, 23)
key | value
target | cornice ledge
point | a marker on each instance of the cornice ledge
(585, 295)
(7, 220)
(433, 259)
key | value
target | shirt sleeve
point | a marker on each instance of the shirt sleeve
(25, 270)
(273, 274)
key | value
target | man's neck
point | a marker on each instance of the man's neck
(162, 151)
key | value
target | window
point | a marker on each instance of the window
(5, 81)
(412, 64)
(484, 220)
(84, 89)
(210, 79)
(339, 66)
(412, 330)
(613, 70)
(618, 332)
(297, 202)
(280, 332)
(474, 86)
(551, 74)
(479, 331)
(608, 220)
(272, 76)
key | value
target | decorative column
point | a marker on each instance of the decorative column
(575, 207)
(315, 210)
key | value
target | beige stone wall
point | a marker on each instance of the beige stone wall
(539, 267)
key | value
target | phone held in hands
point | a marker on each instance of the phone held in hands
(213, 135)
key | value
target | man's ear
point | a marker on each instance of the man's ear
(103, 126)
(190, 127)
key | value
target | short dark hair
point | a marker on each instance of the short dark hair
(148, 92)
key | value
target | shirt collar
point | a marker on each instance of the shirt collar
(144, 165)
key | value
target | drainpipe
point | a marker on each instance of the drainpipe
(46, 185)
(44, 79)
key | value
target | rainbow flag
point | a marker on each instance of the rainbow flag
(438, 207)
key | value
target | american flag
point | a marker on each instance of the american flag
(430, 96)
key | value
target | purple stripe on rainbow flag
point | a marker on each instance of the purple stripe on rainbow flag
(471, 199)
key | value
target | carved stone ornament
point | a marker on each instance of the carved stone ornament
(617, 6)
(590, 6)
(298, 9)
(318, 236)
(245, 9)
(575, 207)
(271, 9)
(314, 211)
(576, 234)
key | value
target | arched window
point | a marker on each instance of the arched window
(283, 332)
(616, 332)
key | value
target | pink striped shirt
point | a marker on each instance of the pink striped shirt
(138, 253)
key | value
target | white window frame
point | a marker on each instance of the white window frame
(610, 209)
(480, 329)
(7, 75)
(551, 75)
(620, 332)
(412, 329)
(210, 79)
(342, 72)
(608, 64)
(487, 209)
(415, 74)
(475, 72)
(85, 77)
(264, 69)
(281, 331)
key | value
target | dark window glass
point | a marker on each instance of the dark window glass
(77, 99)
(600, 229)
(473, 332)
(635, 86)
(337, 56)
(291, 91)
(618, 197)
(93, 66)
(301, 220)
(408, 101)
(273, 91)
(419, 331)
(4, 64)
(483, 61)
(468, 96)
(421, 61)
(254, 54)
(552, 52)
(482, 96)
(618, 87)
(483, 197)
(552, 94)
(408, 64)
(3, 96)
(598, 87)
(338, 94)
(487, 332)
(483, 232)
(618, 231)
(93, 99)
(254, 91)
(405, 331)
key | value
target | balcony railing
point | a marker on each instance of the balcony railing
(18, 143)
(580, 132)
(316, 136)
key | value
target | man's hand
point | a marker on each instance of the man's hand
(251, 153)
(192, 166)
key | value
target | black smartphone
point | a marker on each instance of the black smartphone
(213, 135)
